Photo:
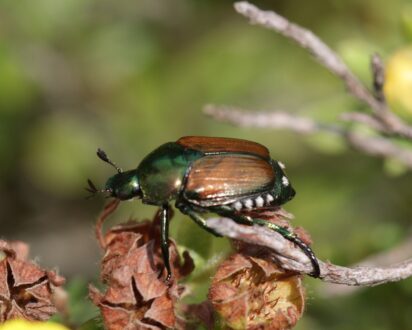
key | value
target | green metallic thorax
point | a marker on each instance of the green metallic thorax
(161, 173)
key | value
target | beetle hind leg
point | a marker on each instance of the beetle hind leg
(294, 239)
(196, 217)
(226, 211)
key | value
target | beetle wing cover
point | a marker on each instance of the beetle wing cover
(223, 145)
(222, 179)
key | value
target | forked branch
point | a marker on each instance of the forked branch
(330, 60)
(370, 145)
(384, 124)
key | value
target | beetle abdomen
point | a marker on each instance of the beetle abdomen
(223, 179)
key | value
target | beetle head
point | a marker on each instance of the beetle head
(124, 185)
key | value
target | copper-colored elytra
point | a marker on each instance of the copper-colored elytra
(233, 175)
(208, 144)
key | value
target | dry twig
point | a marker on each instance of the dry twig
(381, 120)
(109, 208)
(386, 258)
(292, 258)
(330, 60)
(268, 119)
(371, 145)
(378, 72)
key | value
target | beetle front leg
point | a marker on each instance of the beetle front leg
(164, 242)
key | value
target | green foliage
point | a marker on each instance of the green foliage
(80, 307)
(95, 323)
(80, 311)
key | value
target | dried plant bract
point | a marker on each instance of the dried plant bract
(253, 293)
(26, 290)
(137, 296)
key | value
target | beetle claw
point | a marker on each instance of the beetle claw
(168, 280)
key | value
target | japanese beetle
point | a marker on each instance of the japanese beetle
(207, 174)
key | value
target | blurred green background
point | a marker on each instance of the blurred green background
(128, 75)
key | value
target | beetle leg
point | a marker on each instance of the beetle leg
(185, 209)
(164, 242)
(295, 239)
(243, 219)
(226, 211)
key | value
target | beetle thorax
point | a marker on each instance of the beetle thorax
(162, 173)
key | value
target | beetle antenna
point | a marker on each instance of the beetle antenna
(103, 156)
(92, 189)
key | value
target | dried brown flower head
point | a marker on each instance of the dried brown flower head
(249, 291)
(137, 296)
(26, 290)
(192, 315)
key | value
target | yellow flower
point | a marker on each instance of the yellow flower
(398, 82)
(26, 325)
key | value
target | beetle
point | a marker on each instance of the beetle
(201, 174)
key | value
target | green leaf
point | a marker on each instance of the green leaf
(95, 323)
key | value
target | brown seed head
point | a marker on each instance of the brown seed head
(137, 296)
(249, 291)
(26, 290)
